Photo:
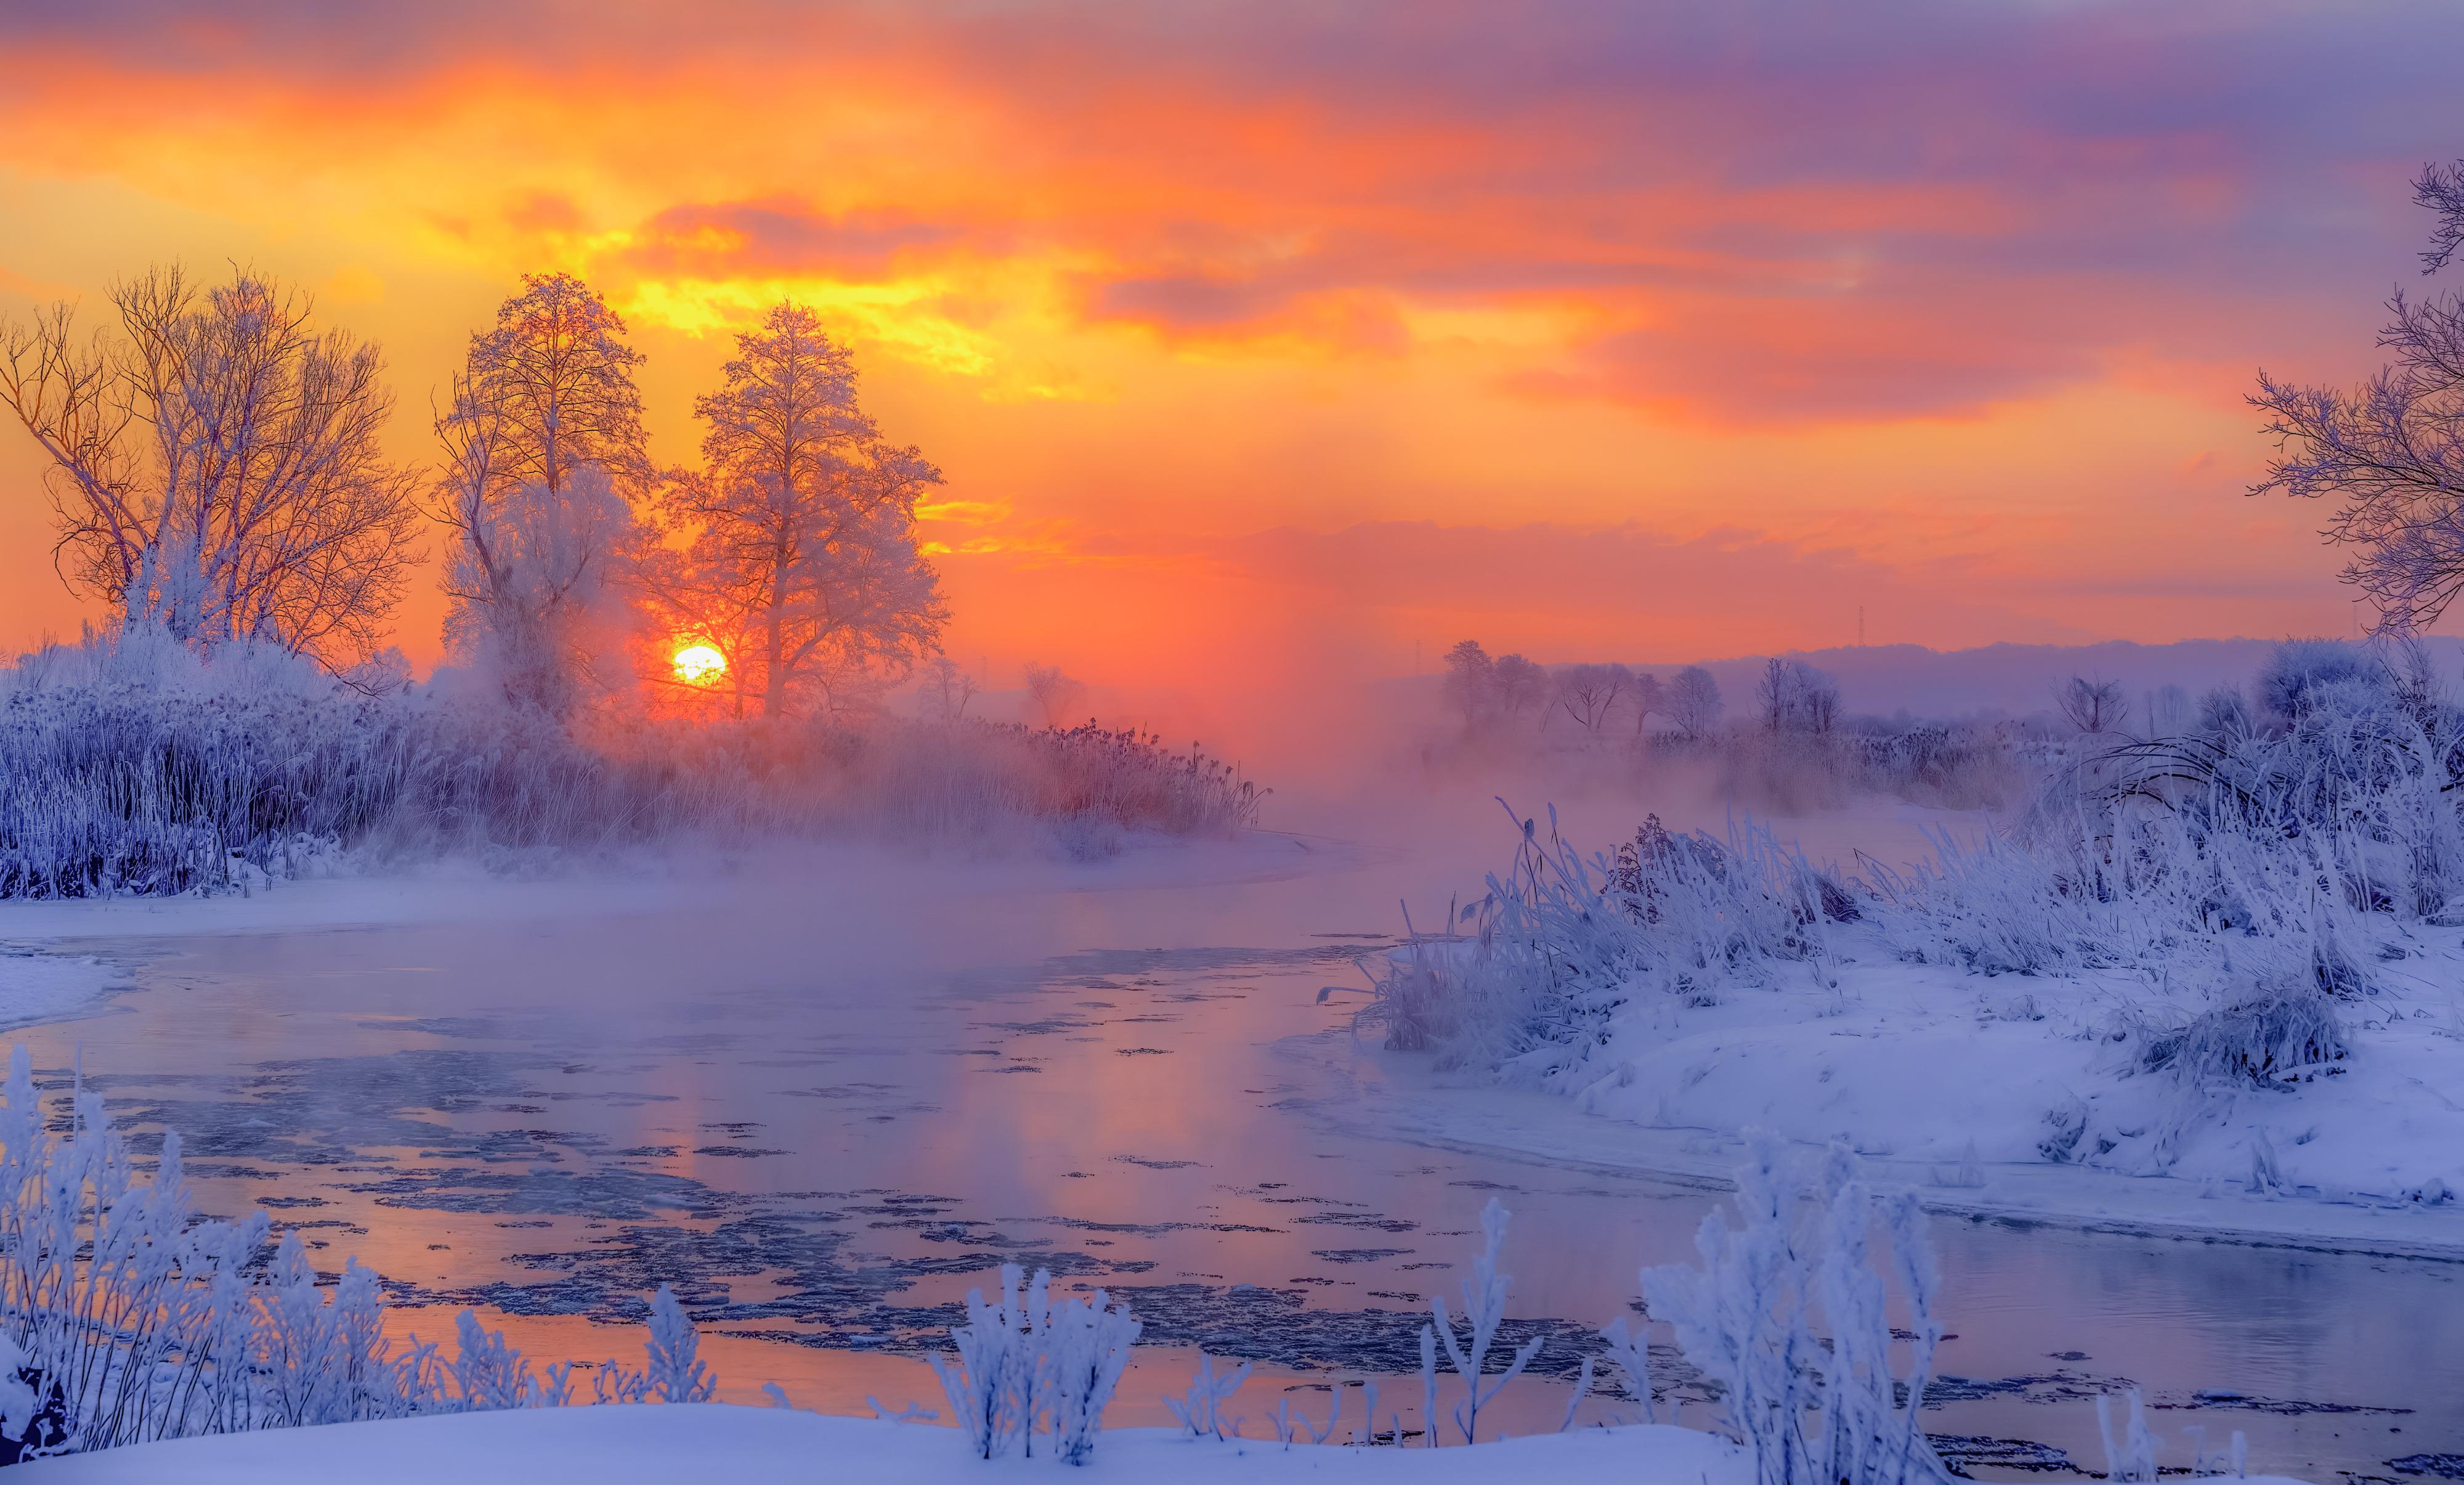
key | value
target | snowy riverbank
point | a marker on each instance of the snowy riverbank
(2009, 1095)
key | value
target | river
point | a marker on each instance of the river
(825, 1101)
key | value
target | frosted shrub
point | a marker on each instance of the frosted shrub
(1562, 943)
(2133, 1457)
(677, 1374)
(1748, 1318)
(1033, 1362)
(1200, 1410)
(2268, 1039)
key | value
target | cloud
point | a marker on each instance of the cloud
(778, 235)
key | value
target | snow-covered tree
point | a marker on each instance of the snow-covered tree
(802, 544)
(2391, 450)
(544, 454)
(216, 464)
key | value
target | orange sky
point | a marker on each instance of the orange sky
(1252, 335)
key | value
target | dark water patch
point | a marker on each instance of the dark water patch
(1146, 1229)
(1356, 1254)
(617, 1194)
(1364, 1221)
(1964, 1453)
(2058, 1386)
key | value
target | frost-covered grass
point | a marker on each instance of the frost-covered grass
(2228, 953)
(130, 764)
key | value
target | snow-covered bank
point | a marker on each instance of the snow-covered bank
(659, 1445)
(1911, 1084)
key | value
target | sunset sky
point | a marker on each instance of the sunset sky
(1252, 329)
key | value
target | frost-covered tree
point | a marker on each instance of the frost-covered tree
(1471, 680)
(801, 529)
(2391, 450)
(1519, 685)
(216, 464)
(1694, 701)
(544, 454)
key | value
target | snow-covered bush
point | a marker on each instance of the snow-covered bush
(128, 1320)
(1033, 1362)
(1786, 1315)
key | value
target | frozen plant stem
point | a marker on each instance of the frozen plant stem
(1484, 1307)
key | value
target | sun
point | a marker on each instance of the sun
(699, 665)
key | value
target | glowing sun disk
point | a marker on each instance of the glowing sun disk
(699, 665)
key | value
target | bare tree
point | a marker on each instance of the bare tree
(1051, 693)
(1694, 701)
(947, 689)
(2093, 706)
(1796, 697)
(1589, 692)
(216, 464)
(543, 446)
(1650, 699)
(2392, 450)
(803, 529)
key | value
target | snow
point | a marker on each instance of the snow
(657, 1444)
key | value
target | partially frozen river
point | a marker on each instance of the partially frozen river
(824, 1107)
